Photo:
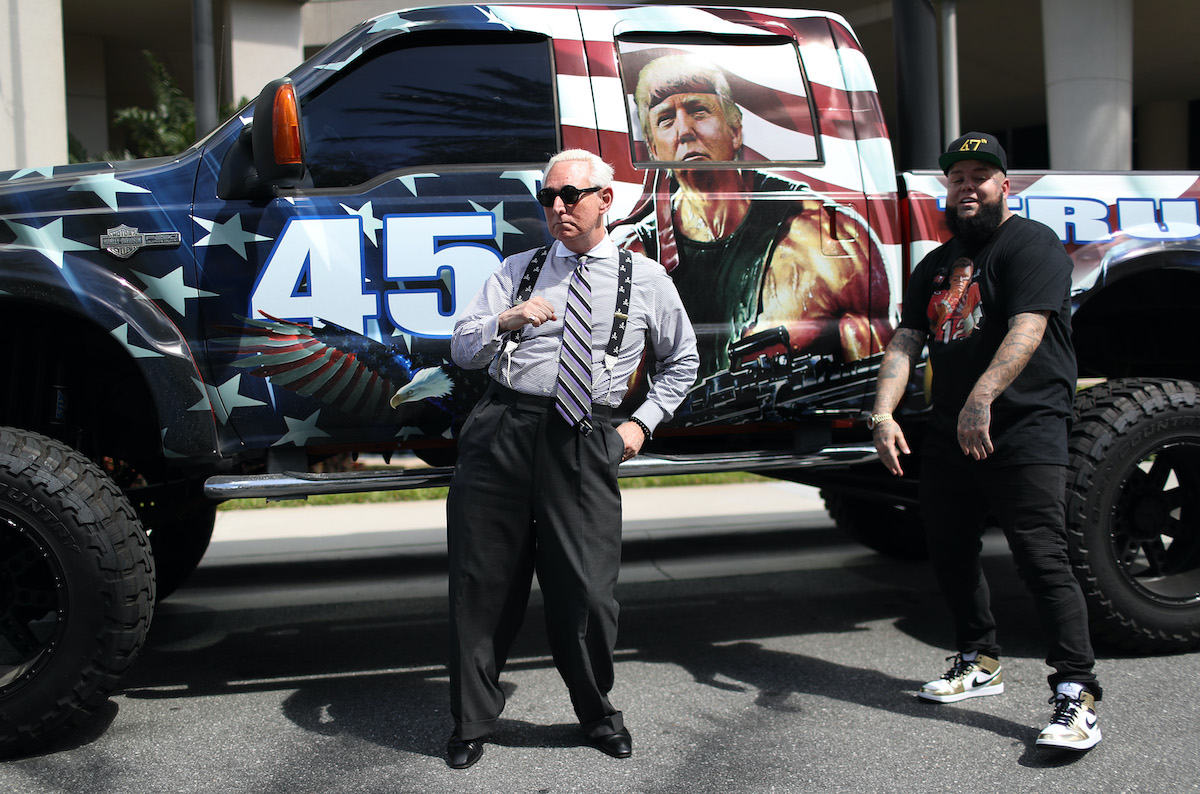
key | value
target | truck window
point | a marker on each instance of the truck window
(433, 100)
(743, 98)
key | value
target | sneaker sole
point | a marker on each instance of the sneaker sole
(1087, 744)
(998, 689)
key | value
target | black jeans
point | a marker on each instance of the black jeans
(1029, 502)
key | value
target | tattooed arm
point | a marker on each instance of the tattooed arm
(1025, 333)
(898, 360)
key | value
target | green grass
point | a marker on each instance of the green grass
(418, 494)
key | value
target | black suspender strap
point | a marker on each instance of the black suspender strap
(525, 292)
(621, 314)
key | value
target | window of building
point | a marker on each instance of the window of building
(433, 100)
(708, 99)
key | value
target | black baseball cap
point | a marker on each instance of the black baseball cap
(975, 146)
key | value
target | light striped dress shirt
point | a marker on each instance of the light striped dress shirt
(656, 317)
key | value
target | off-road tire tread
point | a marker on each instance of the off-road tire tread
(108, 526)
(1103, 413)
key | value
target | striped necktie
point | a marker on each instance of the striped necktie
(573, 395)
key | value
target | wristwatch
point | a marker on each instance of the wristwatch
(875, 420)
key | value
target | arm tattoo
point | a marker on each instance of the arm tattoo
(1025, 333)
(902, 353)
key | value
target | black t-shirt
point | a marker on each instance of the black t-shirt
(963, 300)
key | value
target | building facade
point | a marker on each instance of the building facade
(1071, 84)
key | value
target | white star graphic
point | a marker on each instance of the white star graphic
(230, 233)
(370, 224)
(47, 241)
(203, 404)
(106, 186)
(407, 432)
(395, 22)
(530, 179)
(168, 452)
(410, 181)
(503, 227)
(223, 398)
(337, 66)
(171, 290)
(230, 394)
(490, 16)
(301, 430)
(121, 332)
(45, 170)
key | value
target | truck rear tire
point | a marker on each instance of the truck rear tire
(893, 530)
(1133, 511)
(76, 588)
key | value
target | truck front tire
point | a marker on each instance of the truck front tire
(1133, 511)
(179, 522)
(76, 588)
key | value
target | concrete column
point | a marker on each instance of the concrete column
(951, 122)
(1162, 143)
(1088, 51)
(265, 43)
(204, 70)
(33, 103)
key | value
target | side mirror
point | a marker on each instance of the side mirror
(277, 135)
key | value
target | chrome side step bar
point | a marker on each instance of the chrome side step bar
(296, 485)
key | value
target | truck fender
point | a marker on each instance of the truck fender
(161, 353)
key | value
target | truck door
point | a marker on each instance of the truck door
(424, 143)
(732, 132)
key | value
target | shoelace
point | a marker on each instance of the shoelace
(959, 669)
(1065, 707)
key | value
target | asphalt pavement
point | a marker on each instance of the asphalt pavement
(759, 651)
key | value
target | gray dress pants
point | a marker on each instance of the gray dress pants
(531, 495)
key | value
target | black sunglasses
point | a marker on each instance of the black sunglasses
(569, 193)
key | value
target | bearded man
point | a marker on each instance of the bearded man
(996, 444)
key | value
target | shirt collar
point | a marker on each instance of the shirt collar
(603, 250)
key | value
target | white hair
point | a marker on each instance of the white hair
(602, 172)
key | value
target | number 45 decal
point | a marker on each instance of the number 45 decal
(318, 270)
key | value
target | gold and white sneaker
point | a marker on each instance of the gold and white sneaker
(966, 680)
(1074, 726)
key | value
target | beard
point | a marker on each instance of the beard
(976, 230)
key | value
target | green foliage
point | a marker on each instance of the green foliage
(166, 128)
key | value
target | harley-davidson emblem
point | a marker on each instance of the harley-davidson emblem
(124, 241)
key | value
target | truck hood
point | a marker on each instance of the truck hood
(76, 170)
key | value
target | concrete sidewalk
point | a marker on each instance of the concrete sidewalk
(286, 533)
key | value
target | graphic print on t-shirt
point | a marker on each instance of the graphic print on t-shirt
(955, 309)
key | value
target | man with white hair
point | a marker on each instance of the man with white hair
(562, 331)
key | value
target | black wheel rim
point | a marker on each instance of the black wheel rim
(33, 603)
(1156, 524)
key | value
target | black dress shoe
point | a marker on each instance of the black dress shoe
(618, 745)
(460, 753)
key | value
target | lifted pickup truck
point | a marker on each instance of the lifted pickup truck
(194, 328)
